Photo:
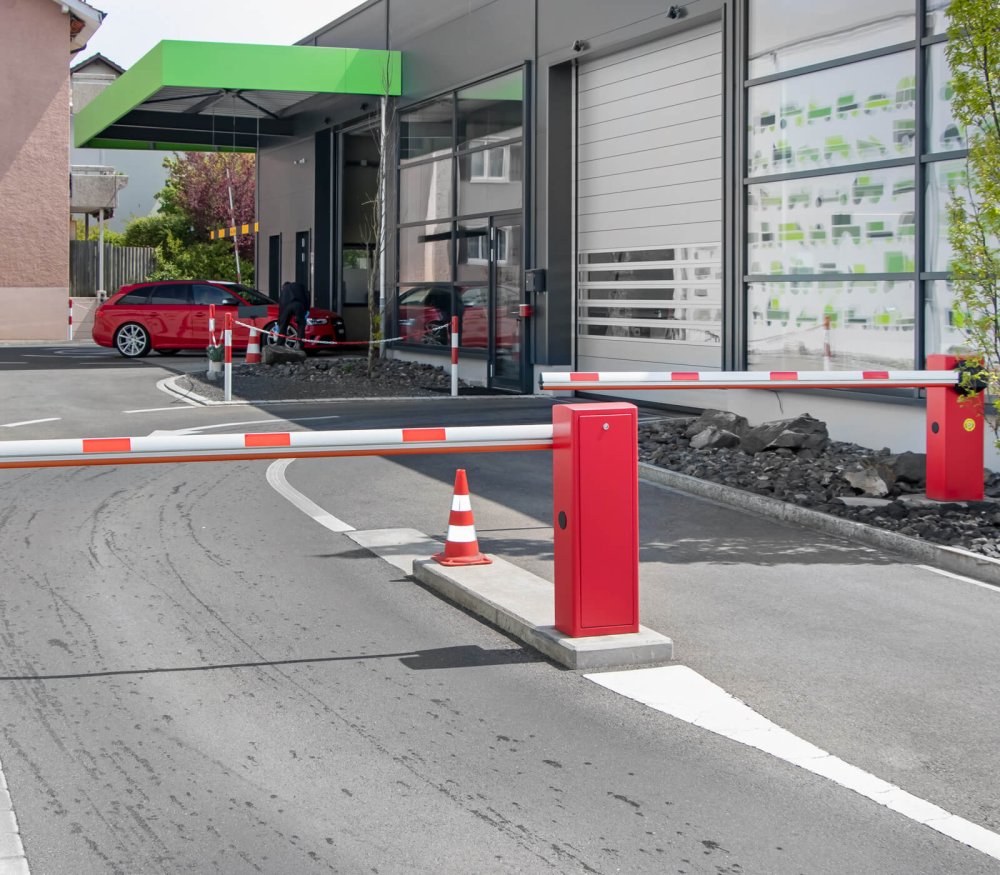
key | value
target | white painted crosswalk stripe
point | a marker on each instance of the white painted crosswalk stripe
(682, 693)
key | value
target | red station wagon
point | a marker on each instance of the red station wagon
(172, 315)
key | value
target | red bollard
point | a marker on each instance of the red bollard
(596, 490)
(955, 424)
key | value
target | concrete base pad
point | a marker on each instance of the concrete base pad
(523, 605)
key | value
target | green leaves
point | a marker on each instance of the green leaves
(973, 53)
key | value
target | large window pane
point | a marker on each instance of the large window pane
(427, 131)
(425, 254)
(844, 223)
(473, 251)
(937, 20)
(849, 115)
(944, 321)
(943, 177)
(787, 34)
(491, 111)
(490, 180)
(836, 325)
(425, 192)
(423, 314)
(943, 130)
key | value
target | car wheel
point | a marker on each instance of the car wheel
(132, 340)
(265, 338)
(167, 351)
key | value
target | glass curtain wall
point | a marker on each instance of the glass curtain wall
(461, 161)
(851, 151)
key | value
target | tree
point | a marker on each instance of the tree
(974, 215)
(207, 191)
(374, 226)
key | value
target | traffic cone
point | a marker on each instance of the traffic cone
(253, 349)
(461, 546)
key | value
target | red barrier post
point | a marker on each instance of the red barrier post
(596, 497)
(227, 339)
(69, 329)
(454, 356)
(955, 424)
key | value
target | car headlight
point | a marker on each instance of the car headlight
(321, 321)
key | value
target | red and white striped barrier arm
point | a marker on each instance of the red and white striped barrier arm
(71, 452)
(665, 380)
(274, 333)
(211, 324)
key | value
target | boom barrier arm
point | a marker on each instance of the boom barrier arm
(664, 380)
(272, 445)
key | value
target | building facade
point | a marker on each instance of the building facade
(718, 184)
(36, 41)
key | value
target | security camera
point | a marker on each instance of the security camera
(580, 45)
(676, 12)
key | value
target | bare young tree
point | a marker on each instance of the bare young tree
(375, 229)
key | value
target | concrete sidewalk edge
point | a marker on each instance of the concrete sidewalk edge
(952, 559)
(522, 604)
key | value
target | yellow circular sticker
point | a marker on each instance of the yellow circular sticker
(969, 425)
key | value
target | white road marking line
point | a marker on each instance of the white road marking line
(276, 478)
(12, 856)
(959, 577)
(195, 429)
(683, 693)
(156, 409)
(30, 422)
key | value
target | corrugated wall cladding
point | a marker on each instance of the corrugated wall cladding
(649, 205)
(650, 144)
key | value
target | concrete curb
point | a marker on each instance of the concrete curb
(951, 559)
(521, 604)
(169, 386)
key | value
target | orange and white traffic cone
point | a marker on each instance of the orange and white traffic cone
(253, 349)
(461, 546)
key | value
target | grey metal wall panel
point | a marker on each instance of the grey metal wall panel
(408, 19)
(649, 177)
(456, 52)
(363, 30)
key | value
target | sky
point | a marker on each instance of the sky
(133, 27)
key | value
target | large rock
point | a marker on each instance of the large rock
(870, 477)
(720, 420)
(802, 432)
(713, 437)
(909, 467)
(281, 355)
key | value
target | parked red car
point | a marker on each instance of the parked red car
(172, 315)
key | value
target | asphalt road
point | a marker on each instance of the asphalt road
(194, 676)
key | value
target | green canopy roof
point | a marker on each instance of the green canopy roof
(202, 96)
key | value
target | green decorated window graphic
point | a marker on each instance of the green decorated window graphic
(834, 324)
(850, 223)
(848, 115)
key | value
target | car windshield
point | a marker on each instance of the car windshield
(251, 296)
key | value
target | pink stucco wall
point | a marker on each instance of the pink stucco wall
(34, 169)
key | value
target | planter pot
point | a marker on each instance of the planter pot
(214, 370)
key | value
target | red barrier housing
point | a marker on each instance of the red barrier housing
(955, 424)
(596, 518)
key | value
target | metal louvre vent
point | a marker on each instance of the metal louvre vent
(666, 293)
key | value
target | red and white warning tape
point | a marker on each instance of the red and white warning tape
(577, 380)
(272, 445)
(321, 342)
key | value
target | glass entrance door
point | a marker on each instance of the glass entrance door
(506, 336)
(489, 294)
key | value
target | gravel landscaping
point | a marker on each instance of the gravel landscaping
(791, 460)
